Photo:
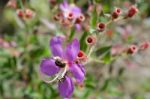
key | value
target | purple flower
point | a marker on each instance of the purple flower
(72, 8)
(73, 13)
(62, 62)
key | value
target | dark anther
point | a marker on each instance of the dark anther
(59, 63)
(62, 79)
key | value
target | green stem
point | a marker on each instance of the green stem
(72, 33)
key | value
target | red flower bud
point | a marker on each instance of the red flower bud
(144, 45)
(53, 2)
(20, 13)
(28, 13)
(70, 16)
(117, 49)
(116, 13)
(12, 4)
(80, 19)
(132, 11)
(65, 22)
(101, 27)
(109, 33)
(118, 10)
(90, 40)
(132, 49)
(81, 56)
(58, 16)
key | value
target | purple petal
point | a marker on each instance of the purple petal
(78, 27)
(64, 6)
(78, 72)
(72, 50)
(66, 87)
(76, 10)
(82, 68)
(48, 67)
(56, 46)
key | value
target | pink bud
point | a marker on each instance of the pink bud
(70, 16)
(101, 27)
(53, 2)
(58, 16)
(132, 49)
(144, 45)
(81, 56)
(80, 19)
(12, 4)
(28, 13)
(90, 40)
(65, 22)
(20, 13)
(116, 13)
(132, 11)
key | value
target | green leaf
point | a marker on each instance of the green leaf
(90, 85)
(83, 45)
(121, 71)
(106, 84)
(94, 18)
(103, 50)
(102, 19)
(19, 3)
(72, 33)
(59, 1)
(1, 88)
(98, 1)
(130, 39)
(37, 52)
(107, 58)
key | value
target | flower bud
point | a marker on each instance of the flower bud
(132, 49)
(80, 19)
(28, 13)
(53, 2)
(70, 16)
(144, 45)
(58, 16)
(116, 13)
(12, 4)
(81, 56)
(20, 13)
(101, 27)
(90, 40)
(109, 33)
(65, 22)
(132, 11)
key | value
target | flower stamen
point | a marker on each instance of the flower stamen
(58, 77)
